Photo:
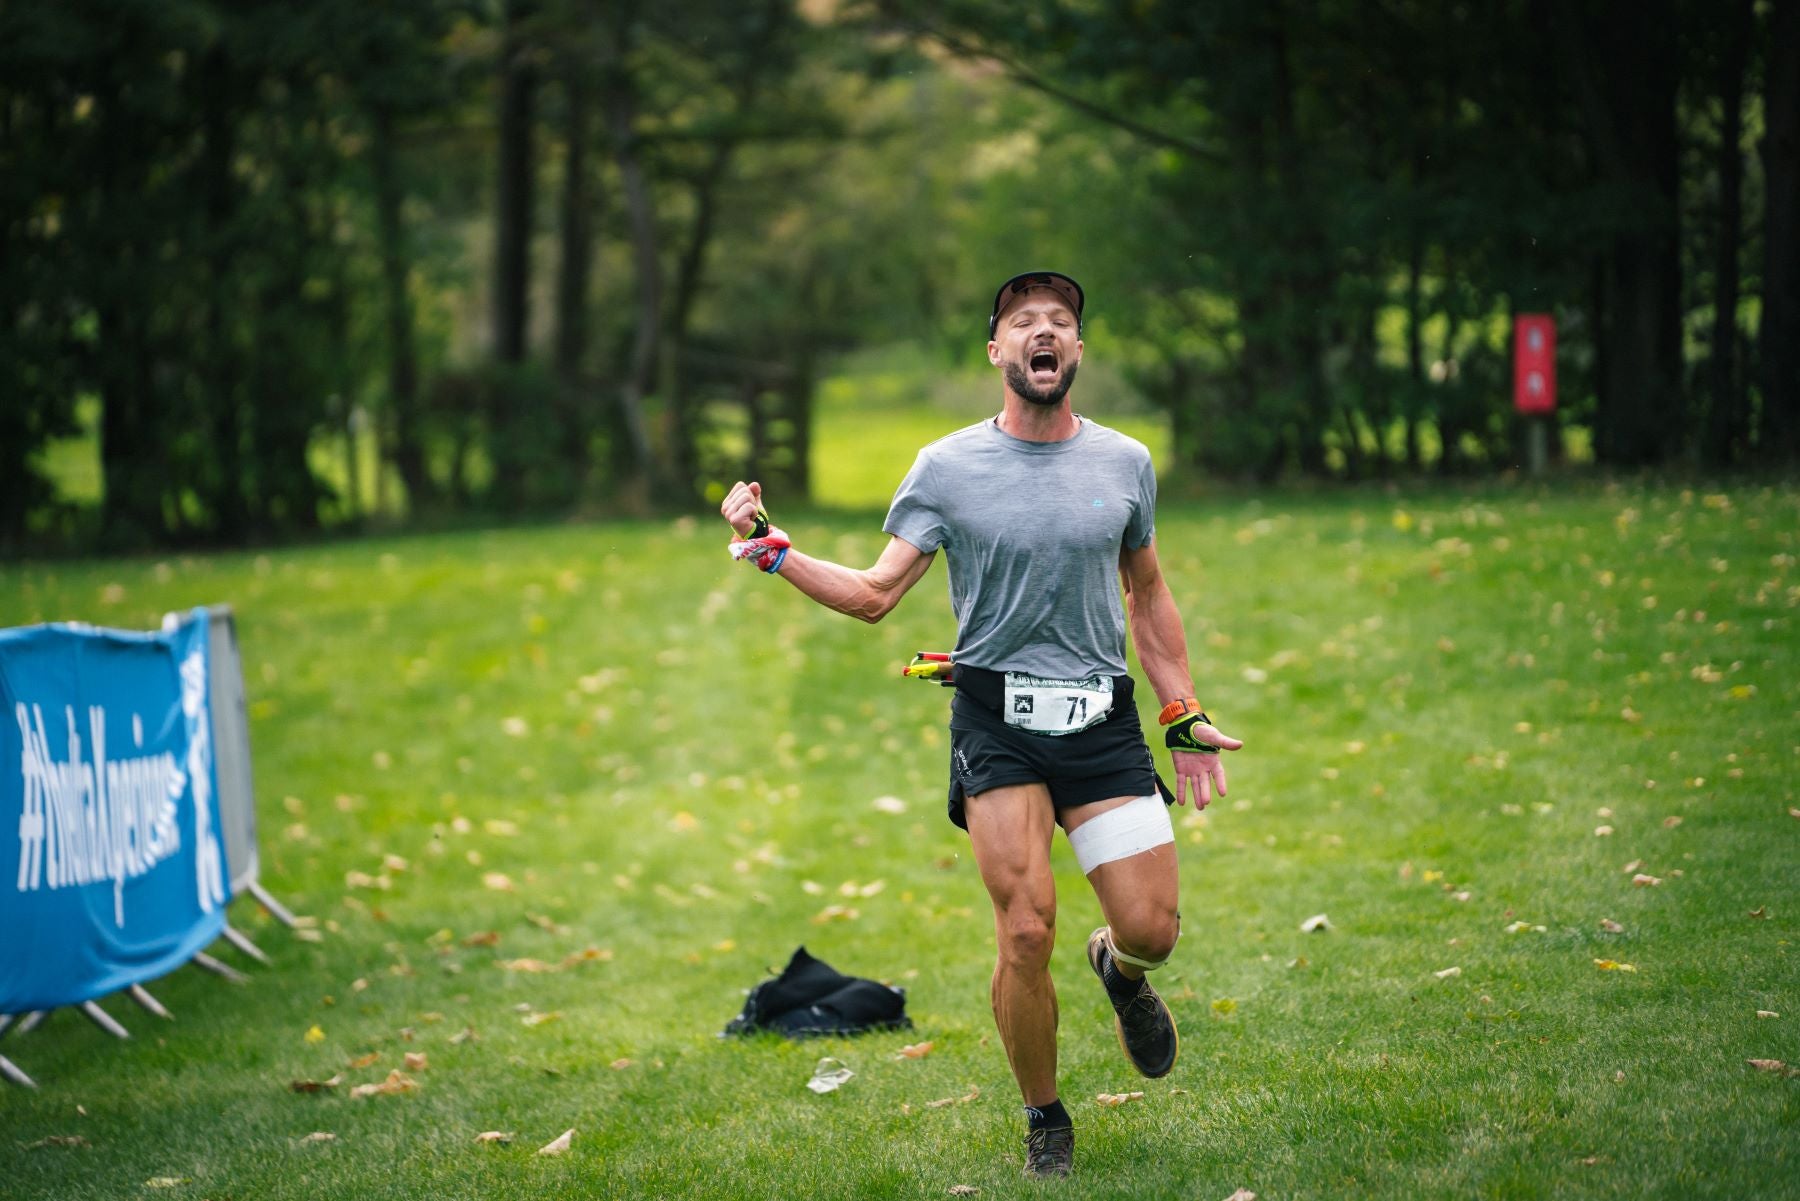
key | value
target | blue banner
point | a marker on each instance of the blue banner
(112, 869)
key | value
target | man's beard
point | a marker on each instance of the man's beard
(1021, 384)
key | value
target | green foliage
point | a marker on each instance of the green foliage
(255, 233)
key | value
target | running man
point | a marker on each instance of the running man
(1038, 508)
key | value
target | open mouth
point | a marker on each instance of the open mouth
(1042, 362)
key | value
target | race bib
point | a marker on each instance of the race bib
(1056, 706)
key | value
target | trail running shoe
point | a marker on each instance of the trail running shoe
(1145, 1026)
(1050, 1153)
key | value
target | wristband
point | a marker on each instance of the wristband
(767, 551)
(1176, 708)
(1180, 735)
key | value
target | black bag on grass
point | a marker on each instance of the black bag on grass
(811, 998)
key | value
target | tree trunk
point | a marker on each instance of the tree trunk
(1726, 427)
(1780, 330)
(1623, 66)
(408, 443)
(132, 510)
(218, 366)
(1415, 347)
(512, 214)
(683, 419)
(634, 461)
(572, 279)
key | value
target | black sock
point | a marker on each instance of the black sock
(1047, 1117)
(1120, 987)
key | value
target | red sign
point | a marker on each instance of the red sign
(1534, 363)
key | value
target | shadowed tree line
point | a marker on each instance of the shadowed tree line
(536, 255)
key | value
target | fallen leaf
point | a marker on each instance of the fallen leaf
(1114, 1099)
(1610, 926)
(1448, 972)
(58, 1140)
(1242, 1194)
(974, 1092)
(559, 1144)
(1767, 1013)
(1670, 822)
(465, 1035)
(913, 1051)
(525, 965)
(314, 1035)
(538, 1019)
(889, 804)
(167, 1181)
(1602, 831)
(500, 827)
(1613, 965)
(1224, 1007)
(397, 1082)
(498, 881)
(316, 1086)
(363, 1061)
(1315, 923)
(619, 1065)
(1632, 866)
(1760, 913)
(319, 1136)
(416, 1061)
(1646, 881)
(1767, 1065)
(963, 1190)
(483, 938)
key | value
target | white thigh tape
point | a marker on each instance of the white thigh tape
(1132, 828)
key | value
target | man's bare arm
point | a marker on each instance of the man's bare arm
(1155, 624)
(1162, 649)
(868, 595)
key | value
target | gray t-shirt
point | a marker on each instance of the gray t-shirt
(1033, 532)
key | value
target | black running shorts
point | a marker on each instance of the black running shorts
(1103, 761)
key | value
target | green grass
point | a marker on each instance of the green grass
(1444, 682)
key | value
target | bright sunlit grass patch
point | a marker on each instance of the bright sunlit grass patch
(558, 796)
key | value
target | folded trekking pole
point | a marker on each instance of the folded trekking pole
(931, 666)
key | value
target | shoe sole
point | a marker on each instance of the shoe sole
(1095, 941)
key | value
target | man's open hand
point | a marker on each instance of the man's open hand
(1203, 773)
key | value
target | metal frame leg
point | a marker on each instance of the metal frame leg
(203, 960)
(11, 1071)
(138, 993)
(276, 909)
(31, 1021)
(237, 939)
(104, 1020)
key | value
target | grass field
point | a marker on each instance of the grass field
(606, 750)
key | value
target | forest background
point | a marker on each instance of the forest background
(268, 269)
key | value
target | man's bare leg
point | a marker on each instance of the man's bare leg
(1010, 829)
(1139, 895)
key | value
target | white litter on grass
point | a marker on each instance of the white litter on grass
(1315, 923)
(829, 1076)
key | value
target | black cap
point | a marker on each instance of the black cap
(1056, 281)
